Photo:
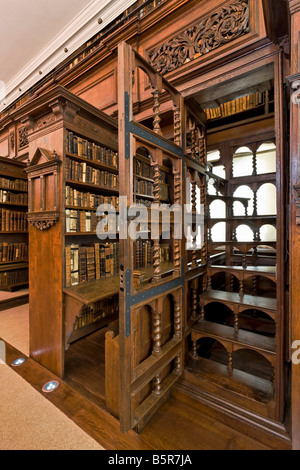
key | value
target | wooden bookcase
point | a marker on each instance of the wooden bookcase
(67, 182)
(237, 341)
(13, 227)
(147, 300)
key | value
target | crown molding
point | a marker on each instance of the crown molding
(80, 30)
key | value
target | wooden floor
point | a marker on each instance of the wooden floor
(13, 299)
(176, 425)
(85, 366)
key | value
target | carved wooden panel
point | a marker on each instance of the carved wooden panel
(223, 26)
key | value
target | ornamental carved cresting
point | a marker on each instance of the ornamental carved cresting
(228, 23)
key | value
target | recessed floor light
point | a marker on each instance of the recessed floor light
(18, 362)
(50, 386)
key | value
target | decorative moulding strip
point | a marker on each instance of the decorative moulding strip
(83, 27)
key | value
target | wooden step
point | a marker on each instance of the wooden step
(250, 301)
(251, 340)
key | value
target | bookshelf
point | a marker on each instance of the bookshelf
(13, 225)
(247, 107)
(70, 176)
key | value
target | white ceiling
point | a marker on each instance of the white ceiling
(35, 33)
(28, 26)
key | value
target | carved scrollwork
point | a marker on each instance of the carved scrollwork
(43, 225)
(223, 26)
(23, 137)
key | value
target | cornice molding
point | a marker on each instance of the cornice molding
(80, 30)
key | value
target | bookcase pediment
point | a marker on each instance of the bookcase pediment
(41, 156)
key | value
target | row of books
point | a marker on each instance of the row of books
(78, 221)
(143, 169)
(236, 106)
(164, 191)
(89, 263)
(86, 174)
(13, 221)
(84, 148)
(13, 252)
(13, 198)
(11, 278)
(83, 199)
(144, 187)
(143, 202)
(21, 185)
(98, 311)
(144, 254)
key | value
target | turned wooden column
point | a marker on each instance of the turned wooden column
(156, 244)
(177, 126)
(202, 148)
(194, 210)
(157, 385)
(177, 243)
(156, 328)
(156, 112)
(177, 320)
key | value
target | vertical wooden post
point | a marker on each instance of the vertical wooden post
(294, 276)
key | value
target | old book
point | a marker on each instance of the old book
(74, 265)
(82, 265)
(97, 260)
(90, 262)
(79, 153)
(68, 265)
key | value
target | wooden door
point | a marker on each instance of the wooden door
(151, 269)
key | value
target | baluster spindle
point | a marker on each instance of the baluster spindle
(156, 333)
(156, 245)
(177, 244)
(202, 315)
(157, 385)
(194, 349)
(177, 126)
(241, 292)
(194, 210)
(193, 143)
(236, 322)
(230, 364)
(177, 365)
(254, 164)
(156, 112)
(255, 203)
(177, 320)
(194, 303)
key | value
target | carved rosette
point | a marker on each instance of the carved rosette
(226, 24)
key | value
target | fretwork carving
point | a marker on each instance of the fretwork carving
(226, 24)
